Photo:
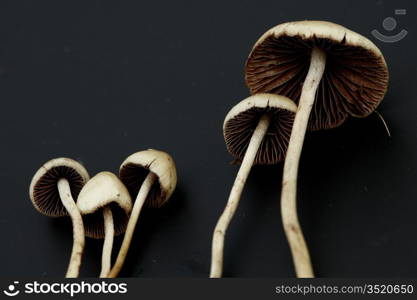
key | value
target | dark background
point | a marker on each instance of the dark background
(99, 80)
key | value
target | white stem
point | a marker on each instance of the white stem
(292, 227)
(108, 241)
(77, 227)
(234, 197)
(134, 216)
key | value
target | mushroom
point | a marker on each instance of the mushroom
(52, 191)
(150, 177)
(256, 131)
(105, 204)
(332, 72)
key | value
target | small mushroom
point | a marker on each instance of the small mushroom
(331, 72)
(52, 191)
(256, 131)
(150, 177)
(105, 204)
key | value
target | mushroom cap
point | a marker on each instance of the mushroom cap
(354, 81)
(243, 118)
(43, 190)
(136, 167)
(104, 189)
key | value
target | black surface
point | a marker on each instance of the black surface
(99, 80)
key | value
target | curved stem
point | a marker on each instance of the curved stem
(292, 227)
(77, 227)
(108, 241)
(134, 216)
(234, 197)
(383, 122)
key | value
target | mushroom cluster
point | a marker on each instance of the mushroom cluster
(101, 207)
(307, 75)
(331, 73)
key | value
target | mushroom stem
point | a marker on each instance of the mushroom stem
(108, 241)
(77, 227)
(234, 197)
(292, 227)
(131, 225)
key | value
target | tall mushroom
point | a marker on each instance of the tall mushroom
(256, 131)
(332, 72)
(105, 204)
(150, 177)
(52, 191)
